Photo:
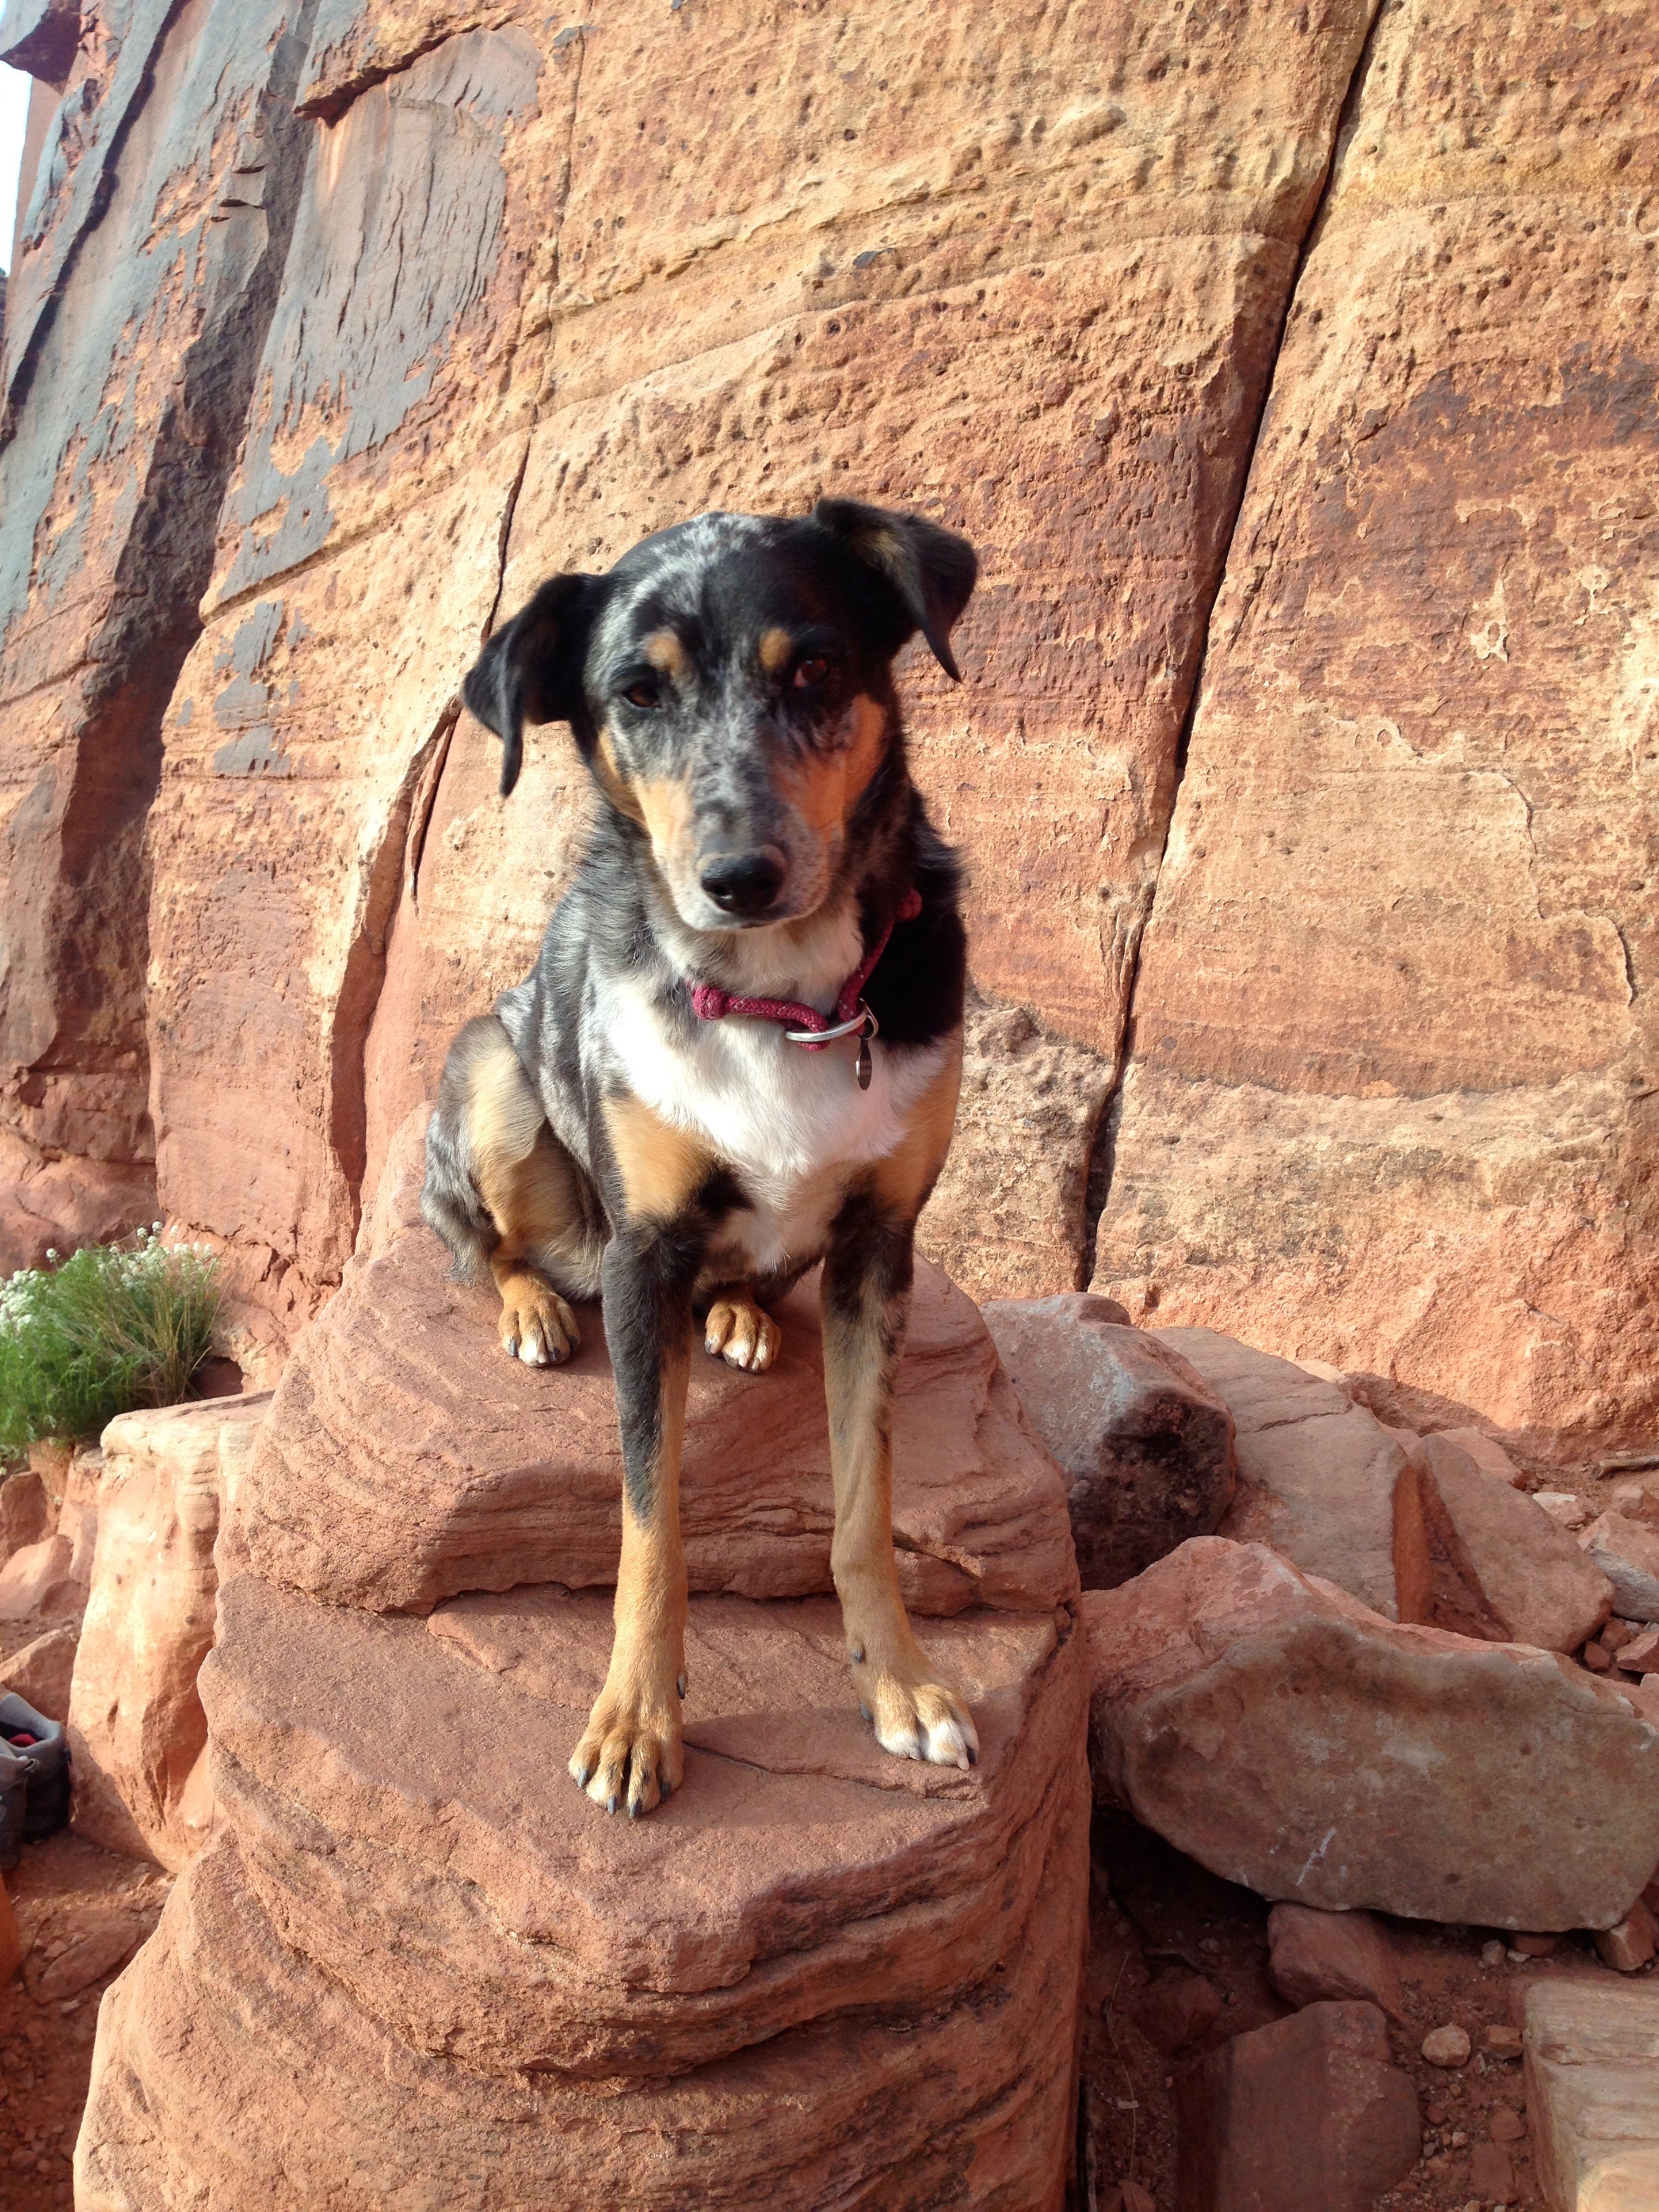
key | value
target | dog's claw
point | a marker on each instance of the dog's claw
(682, 1683)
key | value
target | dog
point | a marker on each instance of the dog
(739, 1049)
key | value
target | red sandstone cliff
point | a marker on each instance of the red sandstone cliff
(1293, 368)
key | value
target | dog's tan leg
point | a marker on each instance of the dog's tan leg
(630, 1752)
(918, 1712)
(738, 1332)
(530, 1184)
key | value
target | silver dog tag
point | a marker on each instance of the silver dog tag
(864, 1066)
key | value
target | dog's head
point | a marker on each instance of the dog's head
(730, 684)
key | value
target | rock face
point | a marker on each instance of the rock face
(406, 1460)
(1307, 2115)
(1317, 1474)
(1592, 2052)
(1389, 1101)
(1146, 1449)
(1276, 1731)
(137, 1732)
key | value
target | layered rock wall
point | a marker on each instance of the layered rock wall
(326, 343)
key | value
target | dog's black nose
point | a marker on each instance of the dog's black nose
(743, 883)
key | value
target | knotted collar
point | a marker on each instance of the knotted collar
(804, 1025)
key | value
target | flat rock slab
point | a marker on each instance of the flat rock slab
(1592, 2069)
(400, 1793)
(1316, 1472)
(1266, 1724)
(1145, 1448)
(405, 1459)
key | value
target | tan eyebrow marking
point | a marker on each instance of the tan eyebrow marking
(776, 650)
(663, 650)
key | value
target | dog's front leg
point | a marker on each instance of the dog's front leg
(630, 1752)
(917, 1713)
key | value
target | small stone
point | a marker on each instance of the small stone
(1503, 2042)
(1534, 1946)
(1630, 1943)
(1614, 1635)
(1492, 1955)
(1447, 2046)
(1563, 1507)
(1435, 2114)
(1506, 2126)
(1135, 2198)
(1492, 2173)
(1318, 1955)
(1178, 2012)
(1596, 1658)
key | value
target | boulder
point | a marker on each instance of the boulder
(1317, 1955)
(1146, 1449)
(407, 1880)
(1307, 2114)
(1592, 2074)
(1272, 1728)
(1627, 1552)
(25, 1515)
(1497, 1566)
(405, 1459)
(1316, 1472)
(39, 1579)
(1488, 1454)
(40, 1671)
(136, 1727)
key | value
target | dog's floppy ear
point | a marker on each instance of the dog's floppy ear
(531, 669)
(929, 571)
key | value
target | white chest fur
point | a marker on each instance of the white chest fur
(793, 1124)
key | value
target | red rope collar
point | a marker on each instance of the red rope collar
(710, 1004)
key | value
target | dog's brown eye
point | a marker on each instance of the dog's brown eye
(642, 695)
(809, 674)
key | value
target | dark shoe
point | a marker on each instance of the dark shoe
(41, 1746)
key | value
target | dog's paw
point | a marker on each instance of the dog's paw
(630, 1757)
(738, 1332)
(536, 1326)
(921, 1718)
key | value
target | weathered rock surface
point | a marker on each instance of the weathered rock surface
(1391, 1098)
(409, 1881)
(405, 1459)
(137, 1732)
(1592, 2064)
(1307, 2115)
(1276, 1731)
(1145, 1448)
(1475, 1555)
(1627, 1552)
(1317, 1955)
(1317, 1474)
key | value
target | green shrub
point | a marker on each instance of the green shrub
(118, 1326)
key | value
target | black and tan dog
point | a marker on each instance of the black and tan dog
(681, 1110)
